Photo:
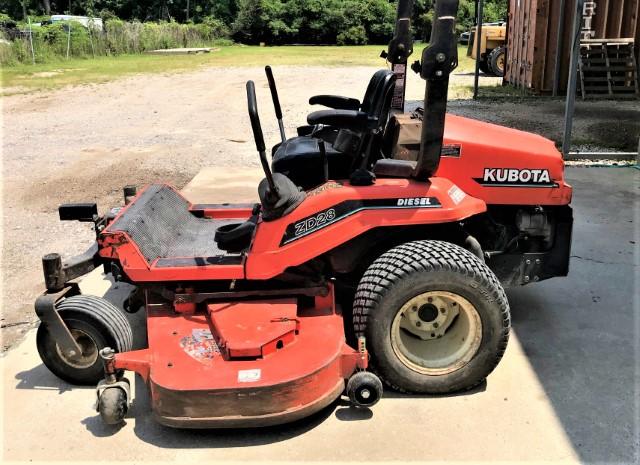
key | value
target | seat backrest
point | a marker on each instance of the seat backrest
(382, 100)
(372, 91)
(369, 146)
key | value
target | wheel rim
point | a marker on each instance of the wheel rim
(436, 333)
(500, 63)
(89, 349)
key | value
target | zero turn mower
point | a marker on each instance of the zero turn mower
(377, 254)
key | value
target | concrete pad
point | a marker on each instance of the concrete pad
(495, 422)
(563, 392)
(219, 185)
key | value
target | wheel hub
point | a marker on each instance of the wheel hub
(428, 313)
(89, 349)
(429, 317)
(436, 332)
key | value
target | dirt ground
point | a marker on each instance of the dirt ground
(85, 143)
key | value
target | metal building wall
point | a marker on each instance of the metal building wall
(532, 37)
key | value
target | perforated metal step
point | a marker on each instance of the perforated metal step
(160, 224)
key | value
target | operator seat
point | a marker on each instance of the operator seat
(357, 133)
(337, 102)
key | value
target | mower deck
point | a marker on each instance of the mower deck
(243, 363)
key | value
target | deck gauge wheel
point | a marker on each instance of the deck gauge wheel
(94, 323)
(113, 405)
(364, 389)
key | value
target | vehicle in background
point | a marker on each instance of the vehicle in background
(492, 47)
(86, 21)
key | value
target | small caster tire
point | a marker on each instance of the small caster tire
(364, 389)
(112, 405)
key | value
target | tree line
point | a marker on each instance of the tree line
(268, 21)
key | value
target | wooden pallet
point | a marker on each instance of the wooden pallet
(608, 69)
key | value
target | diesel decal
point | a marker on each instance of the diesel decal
(315, 221)
(347, 208)
(511, 177)
(415, 202)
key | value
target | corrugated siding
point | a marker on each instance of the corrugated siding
(532, 34)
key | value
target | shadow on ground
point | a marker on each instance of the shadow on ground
(579, 332)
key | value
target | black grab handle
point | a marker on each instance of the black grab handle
(257, 135)
(274, 91)
(255, 118)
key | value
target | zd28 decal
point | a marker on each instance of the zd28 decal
(314, 223)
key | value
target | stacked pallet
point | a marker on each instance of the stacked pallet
(608, 69)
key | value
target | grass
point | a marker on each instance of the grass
(25, 78)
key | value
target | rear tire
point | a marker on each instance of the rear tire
(95, 323)
(435, 318)
(496, 61)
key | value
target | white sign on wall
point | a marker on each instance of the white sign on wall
(588, 12)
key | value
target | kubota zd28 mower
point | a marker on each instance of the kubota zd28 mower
(368, 258)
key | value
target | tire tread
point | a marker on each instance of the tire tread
(425, 256)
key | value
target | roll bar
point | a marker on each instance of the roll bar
(399, 50)
(439, 59)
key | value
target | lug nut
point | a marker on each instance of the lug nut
(435, 325)
(418, 324)
(442, 310)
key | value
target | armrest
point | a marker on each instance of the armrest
(343, 119)
(335, 101)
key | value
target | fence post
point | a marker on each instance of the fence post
(33, 53)
(68, 38)
(93, 51)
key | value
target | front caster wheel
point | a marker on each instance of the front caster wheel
(113, 405)
(364, 389)
(435, 317)
(95, 323)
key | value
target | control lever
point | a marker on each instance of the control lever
(276, 100)
(259, 138)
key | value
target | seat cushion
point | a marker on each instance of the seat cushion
(299, 159)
